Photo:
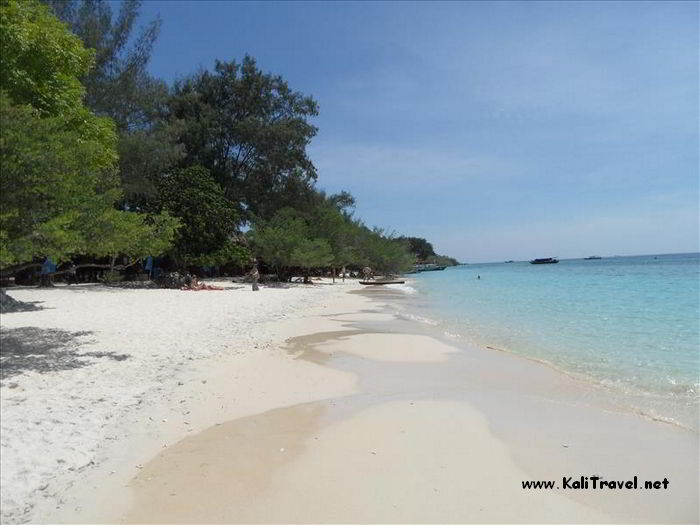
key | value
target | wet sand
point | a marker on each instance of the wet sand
(433, 433)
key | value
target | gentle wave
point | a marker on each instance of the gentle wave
(405, 288)
(627, 323)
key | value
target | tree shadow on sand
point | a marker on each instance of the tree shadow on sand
(31, 349)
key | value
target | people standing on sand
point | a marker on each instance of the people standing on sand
(72, 276)
(48, 268)
(255, 275)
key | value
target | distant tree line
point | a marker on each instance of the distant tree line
(425, 253)
(101, 161)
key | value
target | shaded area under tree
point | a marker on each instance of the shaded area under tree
(31, 349)
(9, 304)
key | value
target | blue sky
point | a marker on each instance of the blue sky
(496, 130)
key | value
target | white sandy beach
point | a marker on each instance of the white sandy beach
(310, 404)
(60, 426)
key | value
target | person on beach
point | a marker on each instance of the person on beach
(368, 273)
(255, 275)
(193, 284)
(72, 276)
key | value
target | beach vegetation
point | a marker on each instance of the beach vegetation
(425, 253)
(250, 130)
(119, 86)
(58, 183)
(280, 241)
(310, 254)
(384, 252)
(100, 160)
(208, 233)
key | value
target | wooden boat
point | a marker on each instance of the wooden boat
(382, 282)
(545, 260)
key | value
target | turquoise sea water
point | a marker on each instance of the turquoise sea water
(629, 323)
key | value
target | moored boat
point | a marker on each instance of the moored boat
(381, 282)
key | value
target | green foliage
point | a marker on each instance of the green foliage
(40, 66)
(118, 85)
(49, 176)
(208, 219)
(57, 192)
(275, 240)
(238, 135)
(311, 253)
(323, 236)
(287, 241)
(330, 224)
(384, 253)
(442, 260)
(58, 184)
(425, 253)
(251, 131)
(420, 247)
(144, 157)
(136, 235)
(41, 62)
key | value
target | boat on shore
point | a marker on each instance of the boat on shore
(381, 282)
(545, 260)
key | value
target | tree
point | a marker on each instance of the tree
(420, 247)
(41, 62)
(250, 130)
(58, 185)
(311, 253)
(120, 87)
(329, 219)
(385, 253)
(57, 192)
(208, 219)
(286, 241)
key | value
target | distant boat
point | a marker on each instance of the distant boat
(546, 260)
(509, 262)
(592, 258)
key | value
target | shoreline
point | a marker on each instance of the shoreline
(686, 416)
(388, 385)
(353, 346)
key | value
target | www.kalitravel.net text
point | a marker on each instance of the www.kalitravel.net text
(596, 483)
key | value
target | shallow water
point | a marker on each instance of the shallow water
(630, 323)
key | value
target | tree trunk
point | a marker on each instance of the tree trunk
(343, 273)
